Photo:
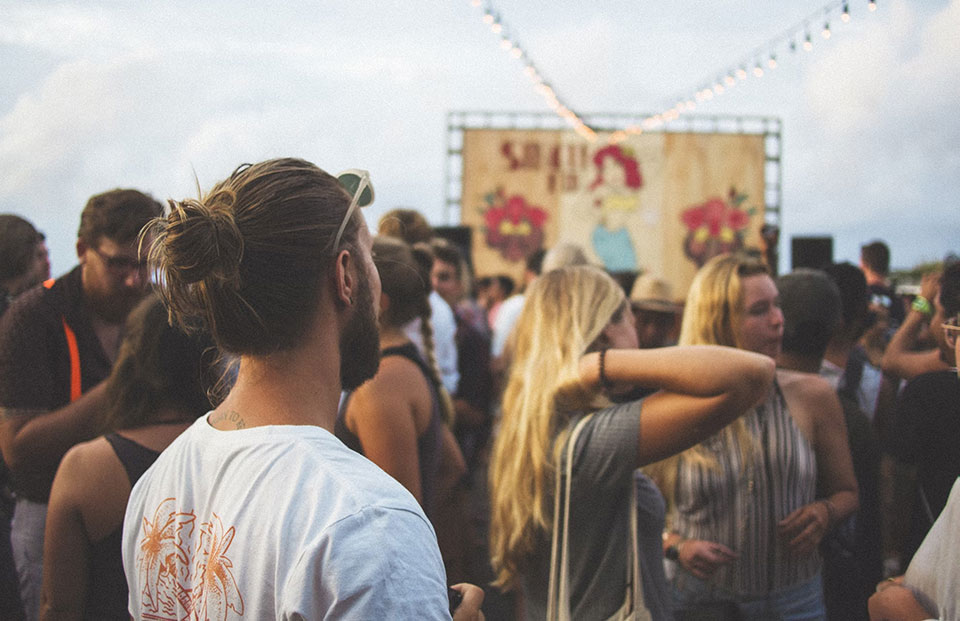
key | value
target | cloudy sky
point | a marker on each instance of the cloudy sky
(97, 95)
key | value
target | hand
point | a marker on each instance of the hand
(930, 286)
(889, 582)
(703, 558)
(469, 608)
(805, 527)
(895, 602)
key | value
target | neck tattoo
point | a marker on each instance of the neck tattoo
(230, 417)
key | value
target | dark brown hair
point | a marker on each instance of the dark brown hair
(876, 256)
(18, 246)
(408, 225)
(405, 278)
(118, 215)
(250, 257)
(158, 367)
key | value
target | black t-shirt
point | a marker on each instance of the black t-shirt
(926, 432)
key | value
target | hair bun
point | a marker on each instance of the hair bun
(203, 241)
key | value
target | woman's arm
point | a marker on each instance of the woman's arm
(901, 357)
(452, 464)
(704, 388)
(381, 414)
(805, 527)
(66, 545)
(895, 602)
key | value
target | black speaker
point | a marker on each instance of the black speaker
(814, 252)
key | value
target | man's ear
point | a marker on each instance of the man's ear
(345, 279)
(81, 250)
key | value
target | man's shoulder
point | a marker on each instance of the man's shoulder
(45, 302)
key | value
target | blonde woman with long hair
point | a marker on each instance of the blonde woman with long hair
(743, 514)
(576, 346)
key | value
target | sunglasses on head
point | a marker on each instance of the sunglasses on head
(357, 183)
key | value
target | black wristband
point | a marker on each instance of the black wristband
(672, 553)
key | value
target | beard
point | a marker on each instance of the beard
(360, 342)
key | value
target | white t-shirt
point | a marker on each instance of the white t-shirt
(934, 572)
(278, 522)
(507, 317)
(444, 340)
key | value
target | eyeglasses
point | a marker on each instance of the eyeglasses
(121, 265)
(357, 183)
(951, 328)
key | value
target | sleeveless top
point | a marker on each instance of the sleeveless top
(107, 587)
(739, 504)
(428, 443)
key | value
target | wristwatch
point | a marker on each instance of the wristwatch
(672, 552)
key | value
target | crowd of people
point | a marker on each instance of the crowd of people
(251, 405)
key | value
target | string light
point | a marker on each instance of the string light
(509, 44)
(686, 103)
(797, 36)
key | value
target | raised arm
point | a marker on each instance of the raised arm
(901, 357)
(704, 388)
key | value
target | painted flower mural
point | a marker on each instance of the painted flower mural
(716, 226)
(513, 226)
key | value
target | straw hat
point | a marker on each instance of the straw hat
(653, 294)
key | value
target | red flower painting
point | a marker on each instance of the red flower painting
(716, 226)
(513, 226)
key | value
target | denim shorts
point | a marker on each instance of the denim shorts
(698, 600)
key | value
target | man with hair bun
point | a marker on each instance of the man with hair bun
(57, 345)
(257, 510)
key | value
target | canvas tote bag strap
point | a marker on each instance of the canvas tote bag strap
(634, 578)
(558, 599)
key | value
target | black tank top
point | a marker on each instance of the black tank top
(428, 443)
(107, 587)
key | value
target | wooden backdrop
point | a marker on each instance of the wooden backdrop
(660, 202)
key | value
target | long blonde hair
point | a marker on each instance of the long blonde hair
(711, 316)
(564, 313)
